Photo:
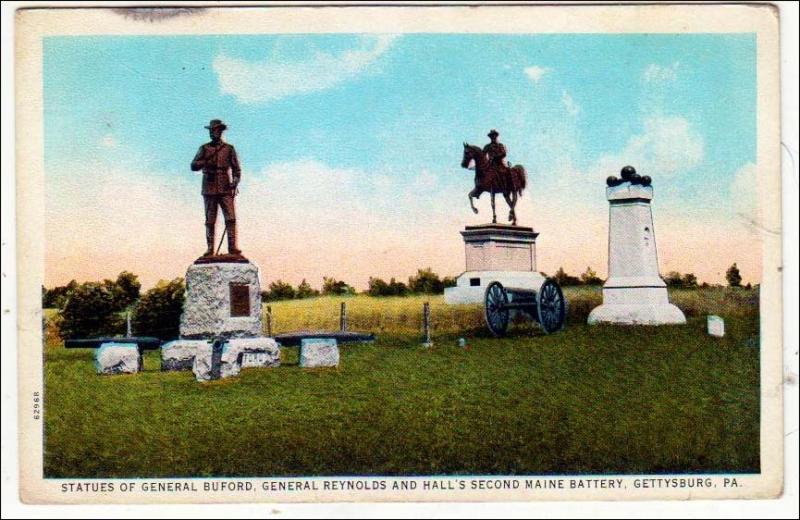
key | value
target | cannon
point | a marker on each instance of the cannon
(545, 305)
(142, 343)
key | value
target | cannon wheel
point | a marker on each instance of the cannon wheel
(495, 308)
(551, 306)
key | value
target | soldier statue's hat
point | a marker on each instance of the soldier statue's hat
(493, 133)
(214, 123)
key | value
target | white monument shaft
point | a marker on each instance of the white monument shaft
(634, 293)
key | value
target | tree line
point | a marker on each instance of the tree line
(92, 309)
(425, 281)
(673, 278)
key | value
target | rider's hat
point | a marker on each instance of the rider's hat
(493, 133)
(214, 123)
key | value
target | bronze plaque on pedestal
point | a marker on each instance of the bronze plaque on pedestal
(240, 299)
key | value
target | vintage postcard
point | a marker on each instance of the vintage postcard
(399, 253)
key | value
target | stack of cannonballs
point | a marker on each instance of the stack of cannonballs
(628, 174)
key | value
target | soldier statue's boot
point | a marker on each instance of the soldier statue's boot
(209, 240)
(232, 248)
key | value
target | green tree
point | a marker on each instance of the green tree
(564, 280)
(128, 288)
(158, 311)
(733, 276)
(425, 282)
(673, 279)
(589, 277)
(90, 311)
(397, 288)
(280, 290)
(125, 289)
(56, 297)
(332, 286)
(304, 290)
(377, 287)
(689, 281)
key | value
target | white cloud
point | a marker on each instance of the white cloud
(667, 147)
(655, 73)
(258, 82)
(535, 73)
(744, 192)
(569, 104)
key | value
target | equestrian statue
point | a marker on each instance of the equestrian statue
(493, 175)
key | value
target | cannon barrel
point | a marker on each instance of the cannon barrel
(142, 342)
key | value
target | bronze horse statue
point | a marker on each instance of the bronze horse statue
(510, 181)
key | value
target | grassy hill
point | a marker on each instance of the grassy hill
(590, 400)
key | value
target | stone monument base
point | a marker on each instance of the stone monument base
(221, 322)
(223, 299)
(471, 286)
(636, 302)
(217, 360)
(495, 253)
(637, 315)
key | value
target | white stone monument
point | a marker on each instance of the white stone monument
(221, 322)
(716, 326)
(222, 299)
(495, 252)
(634, 293)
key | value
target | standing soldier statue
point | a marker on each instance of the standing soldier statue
(221, 173)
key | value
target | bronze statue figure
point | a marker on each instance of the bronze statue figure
(495, 149)
(493, 175)
(221, 174)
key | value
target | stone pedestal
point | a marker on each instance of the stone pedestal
(499, 247)
(118, 358)
(179, 354)
(222, 359)
(223, 299)
(319, 352)
(221, 321)
(716, 326)
(634, 293)
(495, 252)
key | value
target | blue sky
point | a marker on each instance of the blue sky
(369, 129)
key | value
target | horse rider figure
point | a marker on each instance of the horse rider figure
(496, 151)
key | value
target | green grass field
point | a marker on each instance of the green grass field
(587, 400)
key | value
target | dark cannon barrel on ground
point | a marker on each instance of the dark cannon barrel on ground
(288, 339)
(143, 342)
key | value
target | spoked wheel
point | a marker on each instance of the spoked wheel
(495, 308)
(551, 307)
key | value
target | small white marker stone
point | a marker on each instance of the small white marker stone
(716, 326)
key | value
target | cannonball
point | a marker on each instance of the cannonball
(635, 178)
(646, 180)
(612, 181)
(627, 172)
